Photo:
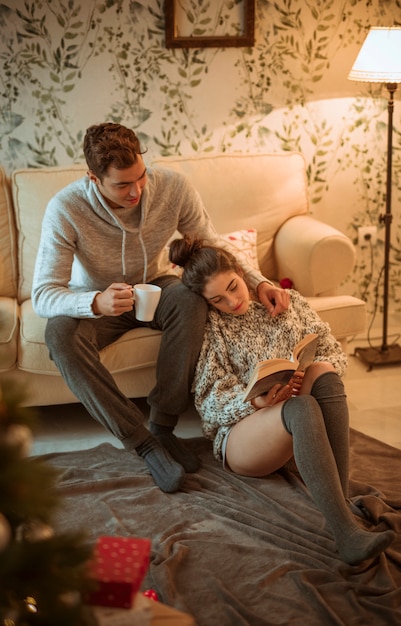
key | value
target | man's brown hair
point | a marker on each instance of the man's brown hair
(110, 144)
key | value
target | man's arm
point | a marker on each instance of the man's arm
(51, 295)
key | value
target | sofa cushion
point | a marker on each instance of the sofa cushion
(241, 191)
(41, 184)
(136, 349)
(8, 333)
(245, 244)
(8, 249)
(139, 347)
(345, 315)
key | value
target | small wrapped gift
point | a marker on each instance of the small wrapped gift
(118, 567)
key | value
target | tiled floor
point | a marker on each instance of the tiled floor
(374, 399)
(69, 427)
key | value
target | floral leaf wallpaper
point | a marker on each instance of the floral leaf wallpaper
(67, 64)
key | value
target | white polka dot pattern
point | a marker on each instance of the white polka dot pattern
(119, 565)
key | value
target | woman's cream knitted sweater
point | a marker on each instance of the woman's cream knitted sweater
(232, 347)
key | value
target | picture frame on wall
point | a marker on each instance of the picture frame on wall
(217, 24)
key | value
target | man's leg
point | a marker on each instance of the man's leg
(181, 315)
(74, 346)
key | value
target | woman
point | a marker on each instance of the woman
(306, 419)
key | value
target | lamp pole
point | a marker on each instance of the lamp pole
(387, 354)
(387, 218)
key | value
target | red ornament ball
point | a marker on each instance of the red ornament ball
(151, 593)
(286, 283)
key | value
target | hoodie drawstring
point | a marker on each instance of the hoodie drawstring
(145, 257)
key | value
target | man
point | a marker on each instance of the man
(101, 235)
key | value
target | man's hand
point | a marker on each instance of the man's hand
(275, 299)
(118, 298)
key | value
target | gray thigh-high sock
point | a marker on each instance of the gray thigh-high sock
(328, 389)
(302, 418)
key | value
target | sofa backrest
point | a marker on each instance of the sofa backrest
(32, 189)
(241, 191)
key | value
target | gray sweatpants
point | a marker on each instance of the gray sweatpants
(74, 346)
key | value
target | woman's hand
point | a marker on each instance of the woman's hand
(277, 394)
(296, 382)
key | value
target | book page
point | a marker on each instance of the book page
(305, 351)
(265, 384)
(279, 371)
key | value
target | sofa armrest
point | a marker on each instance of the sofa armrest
(9, 328)
(315, 256)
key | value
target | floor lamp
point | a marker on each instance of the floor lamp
(379, 61)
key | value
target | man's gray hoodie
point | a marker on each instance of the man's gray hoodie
(86, 246)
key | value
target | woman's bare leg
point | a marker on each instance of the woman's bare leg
(259, 444)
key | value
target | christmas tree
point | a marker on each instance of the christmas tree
(43, 574)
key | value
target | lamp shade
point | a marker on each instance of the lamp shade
(379, 59)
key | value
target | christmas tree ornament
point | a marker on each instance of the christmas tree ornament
(151, 593)
(5, 532)
(34, 530)
(18, 435)
(70, 598)
(30, 604)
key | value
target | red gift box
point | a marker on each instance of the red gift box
(118, 566)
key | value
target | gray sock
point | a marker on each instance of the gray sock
(303, 419)
(175, 446)
(328, 389)
(167, 474)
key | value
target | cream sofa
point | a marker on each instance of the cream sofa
(263, 195)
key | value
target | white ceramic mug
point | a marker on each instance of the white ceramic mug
(146, 299)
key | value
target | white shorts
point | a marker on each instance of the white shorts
(223, 449)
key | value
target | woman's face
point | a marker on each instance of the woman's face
(227, 292)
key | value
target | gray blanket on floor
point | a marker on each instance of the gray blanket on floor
(237, 551)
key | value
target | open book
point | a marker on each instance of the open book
(273, 371)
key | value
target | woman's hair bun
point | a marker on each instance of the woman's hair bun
(182, 249)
